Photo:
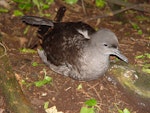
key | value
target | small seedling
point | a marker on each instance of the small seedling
(23, 82)
(34, 64)
(26, 5)
(146, 68)
(90, 106)
(145, 55)
(18, 13)
(46, 105)
(46, 80)
(146, 65)
(123, 111)
(136, 27)
(100, 3)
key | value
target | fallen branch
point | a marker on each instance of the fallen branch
(111, 13)
(140, 7)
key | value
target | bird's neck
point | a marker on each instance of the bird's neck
(96, 54)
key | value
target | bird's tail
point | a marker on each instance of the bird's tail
(44, 25)
(37, 21)
(60, 14)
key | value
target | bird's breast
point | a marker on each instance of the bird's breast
(93, 65)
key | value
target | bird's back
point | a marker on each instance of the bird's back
(64, 42)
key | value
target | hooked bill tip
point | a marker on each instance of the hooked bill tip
(125, 60)
(121, 56)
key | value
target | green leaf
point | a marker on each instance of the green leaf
(126, 110)
(23, 6)
(146, 70)
(147, 55)
(18, 13)
(139, 56)
(91, 102)
(100, 3)
(23, 82)
(2, 10)
(45, 6)
(37, 3)
(87, 110)
(34, 64)
(46, 105)
(71, 1)
(49, 2)
(140, 32)
(134, 25)
(46, 80)
(120, 111)
(47, 15)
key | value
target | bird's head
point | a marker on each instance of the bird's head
(106, 43)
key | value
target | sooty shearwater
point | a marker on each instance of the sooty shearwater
(75, 49)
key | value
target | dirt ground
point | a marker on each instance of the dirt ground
(63, 92)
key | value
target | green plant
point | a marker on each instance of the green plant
(18, 13)
(41, 5)
(142, 18)
(136, 27)
(146, 68)
(40, 83)
(26, 5)
(71, 1)
(123, 111)
(46, 105)
(146, 55)
(90, 106)
(146, 64)
(46, 80)
(34, 64)
(100, 3)
(3, 10)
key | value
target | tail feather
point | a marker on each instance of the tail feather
(37, 21)
(60, 14)
(44, 25)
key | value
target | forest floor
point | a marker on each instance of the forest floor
(133, 31)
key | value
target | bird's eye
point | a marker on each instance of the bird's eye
(105, 45)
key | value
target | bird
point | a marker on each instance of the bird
(75, 49)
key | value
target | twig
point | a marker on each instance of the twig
(83, 6)
(112, 13)
(5, 50)
(127, 4)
